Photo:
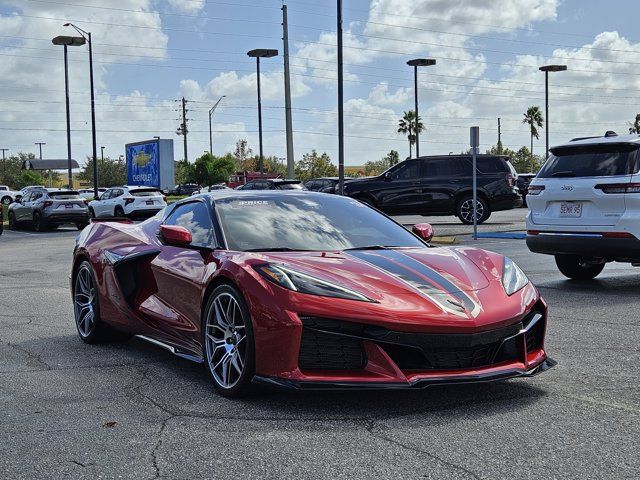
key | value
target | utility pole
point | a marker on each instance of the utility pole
(213, 109)
(287, 93)
(4, 150)
(499, 132)
(182, 129)
(340, 104)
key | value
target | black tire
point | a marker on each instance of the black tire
(92, 213)
(6, 200)
(81, 225)
(214, 356)
(39, 224)
(97, 331)
(464, 210)
(12, 221)
(118, 212)
(576, 268)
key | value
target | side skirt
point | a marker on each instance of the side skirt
(176, 351)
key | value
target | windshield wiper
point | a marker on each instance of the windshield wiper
(371, 247)
(565, 173)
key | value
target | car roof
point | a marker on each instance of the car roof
(609, 138)
(266, 194)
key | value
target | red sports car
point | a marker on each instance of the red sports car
(307, 290)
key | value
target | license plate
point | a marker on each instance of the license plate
(149, 202)
(571, 210)
(68, 206)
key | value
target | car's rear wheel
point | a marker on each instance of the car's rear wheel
(12, 221)
(39, 224)
(118, 212)
(6, 200)
(227, 336)
(464, 210)
(87, 306)
(81, 225)
(576, 268)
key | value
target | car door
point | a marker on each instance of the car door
(402, 190)
(31, 205)
(180, 274)
(20, 208)
(99, 207)
(441, 180)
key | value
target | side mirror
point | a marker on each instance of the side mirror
(175, 235)
(387, 177)
(423, 230)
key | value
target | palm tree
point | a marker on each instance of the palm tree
(407, 126)
(533, 118)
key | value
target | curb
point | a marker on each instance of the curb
(445, 240)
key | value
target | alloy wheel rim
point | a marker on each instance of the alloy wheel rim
(466, 210)
(225, 340)
(85, 301)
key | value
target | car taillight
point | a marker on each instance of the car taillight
(47, 203)
(127, 201)
(510, 180)
(618, 187)
(85, 201)
(535, 189)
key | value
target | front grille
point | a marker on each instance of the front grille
(326, 351)
(335, 344)
(535, 336)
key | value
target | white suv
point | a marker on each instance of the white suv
(584, 205)
(128, 201)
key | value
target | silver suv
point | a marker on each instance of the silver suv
(43, 209)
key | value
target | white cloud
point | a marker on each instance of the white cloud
(187, 6)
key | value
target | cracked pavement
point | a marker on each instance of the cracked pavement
(132, 410)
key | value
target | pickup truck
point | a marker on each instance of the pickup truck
(7, 196)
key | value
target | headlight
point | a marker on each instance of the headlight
(513, 279)
(303, 283)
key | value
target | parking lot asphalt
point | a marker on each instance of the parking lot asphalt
(131, 410)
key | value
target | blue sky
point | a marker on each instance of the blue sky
(150, 53)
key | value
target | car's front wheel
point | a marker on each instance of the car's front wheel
(118, 212)
(87, 306)
(464, 210)
(6, 200)
(227, 336)
(576, 268)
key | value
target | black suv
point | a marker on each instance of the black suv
(272, 184)
(441, 186)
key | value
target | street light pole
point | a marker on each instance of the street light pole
(211, 111)
(67, 41)
(101, 160)
(258, 54)
(50, 174)
(418, 62)
(66, 97)
(546, 69)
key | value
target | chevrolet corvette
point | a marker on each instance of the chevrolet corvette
(306, 290)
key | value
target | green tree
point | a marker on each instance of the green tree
(11, 170)
(274, 165)
(376, 167)
(313, 165)
(183, 172)
(533, 118)
(393, 158)
(243, 153)
(407, 126)
(222, 168)
(111, 172)
(29, 177)
(635, 126)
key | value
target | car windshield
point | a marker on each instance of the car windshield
(64, 195)
(306, 222)
(289, 186)
(591, 161)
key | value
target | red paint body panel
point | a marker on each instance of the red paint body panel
(172, 282)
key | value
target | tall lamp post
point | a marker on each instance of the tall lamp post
(546, 69)
(67, 41)
(415, 63)
(213, 109)
(258, 54)
(87, 37)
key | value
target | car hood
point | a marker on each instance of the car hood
(436, 280)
